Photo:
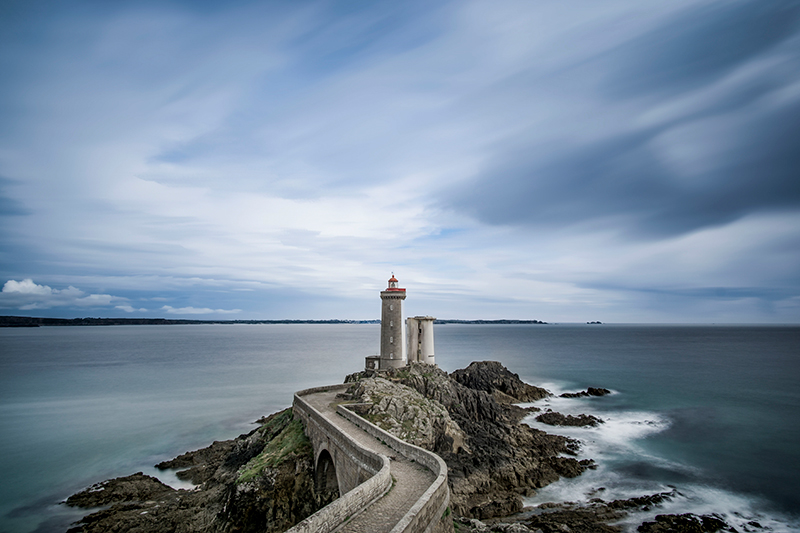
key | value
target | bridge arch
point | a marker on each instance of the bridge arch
(326, 481)
(362, 473)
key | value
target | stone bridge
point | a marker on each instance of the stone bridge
(384, 483)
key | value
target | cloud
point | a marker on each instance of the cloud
(198, 310)
(130, 309)
(699, 45)
(27, 295)
(711, 139)
(27, 286)
(539, 156)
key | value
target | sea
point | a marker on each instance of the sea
(709, 413)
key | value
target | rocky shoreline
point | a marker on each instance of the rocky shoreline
(263, 481)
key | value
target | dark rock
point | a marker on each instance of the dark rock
(591, 391)
(493, 377)
(644, 503)
(578, 520)
(557, 419)
(685, 523)
(502, 459)
(137, 487)
(596, 516)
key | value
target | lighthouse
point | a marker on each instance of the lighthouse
(397, 348)
(393, 331)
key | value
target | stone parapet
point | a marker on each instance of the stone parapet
(427, 513)
(364, 491)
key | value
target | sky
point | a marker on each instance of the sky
(559, 160)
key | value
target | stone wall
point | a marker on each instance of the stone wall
(363, 474)
(428, 513)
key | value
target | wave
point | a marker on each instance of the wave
(627, 467)
(744, 513)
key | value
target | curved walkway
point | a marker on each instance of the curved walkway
(411, 478)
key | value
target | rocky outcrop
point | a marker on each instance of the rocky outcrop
(408, 415)
(553, 418)
(492, 377)
(259, 482)
(263, 481)
(565, 517)
(685, 523)
(501, 459)
(137, 487)
(591, 391)
(473, 525)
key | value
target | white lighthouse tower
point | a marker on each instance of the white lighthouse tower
(393, 330)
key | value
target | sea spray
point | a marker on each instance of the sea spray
(626, 469)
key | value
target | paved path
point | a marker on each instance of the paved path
(411, 478)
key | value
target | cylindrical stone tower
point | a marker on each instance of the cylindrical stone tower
(420, 340)
(393, 334)
(426, 340)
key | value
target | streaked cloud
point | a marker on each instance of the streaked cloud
(199, 311)
(630, 160)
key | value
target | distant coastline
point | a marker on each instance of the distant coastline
(32, 322)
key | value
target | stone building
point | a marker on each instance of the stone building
(397, 348)
(420, 340)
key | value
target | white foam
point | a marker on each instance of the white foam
(618, 434)
(170, 478)
(619, 439)
(737, 510)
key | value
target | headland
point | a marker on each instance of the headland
(267, 480)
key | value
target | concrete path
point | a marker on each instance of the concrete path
(411, 478)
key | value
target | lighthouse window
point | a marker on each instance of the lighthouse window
(391, 340)
(391, 323)
(391, 307)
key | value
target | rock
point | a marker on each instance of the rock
(242, 489)
(137, 487)
(591, 391)
(501, 459)
(685, 523)
(557, 419)
(595, 516)
(408, 415)
(199, 466)
(578, 519)
(511, 528)
(494, 378)
(470, 525)
(644, 503)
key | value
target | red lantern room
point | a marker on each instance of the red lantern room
(393, 284)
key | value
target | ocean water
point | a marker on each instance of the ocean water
(712, 412)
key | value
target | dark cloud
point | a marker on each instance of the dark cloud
(699, 45)
(623, 177)
(8, 205)
(722, 152)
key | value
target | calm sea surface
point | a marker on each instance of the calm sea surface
(713, 411)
